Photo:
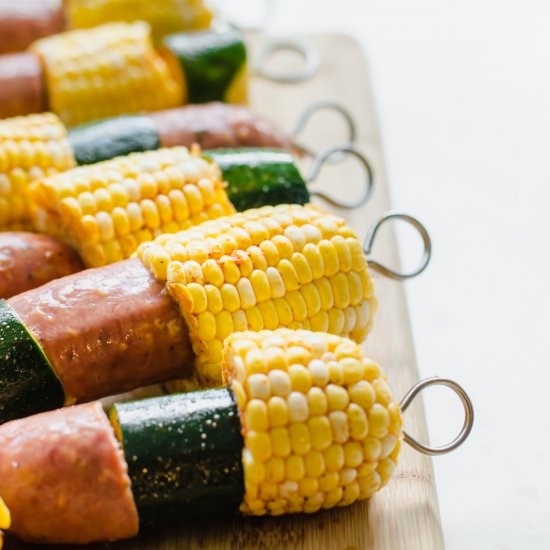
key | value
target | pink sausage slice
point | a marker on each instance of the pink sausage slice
(24, 21)
(214, 125)
(28, 260)
(107, 330)
(21, 85)
(64, 478)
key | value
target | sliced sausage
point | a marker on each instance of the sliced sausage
(21, 85)
(24, 21)
(107, 330)
(214, 125)
(28, 260)
(64, 478)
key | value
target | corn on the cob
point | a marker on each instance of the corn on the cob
(31, 147)
(106, 210)
(164, 16)
(285, 266)
(320, 426)
(109, 70)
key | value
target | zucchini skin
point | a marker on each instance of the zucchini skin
(113, 137)
(260, 177)
(184, 455)
(210, 61)
(28, 384)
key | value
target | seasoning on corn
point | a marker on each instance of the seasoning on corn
(320, 426)
(31, 147)
(109, 70)
(106, 210)
(164, 16)
(284, 266)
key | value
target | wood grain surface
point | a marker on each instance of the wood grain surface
(405, 514)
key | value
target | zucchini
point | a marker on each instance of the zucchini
(260, 177)
(113, 137)
(184, 455)
(28, 384)
(213, 63)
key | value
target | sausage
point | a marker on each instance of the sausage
(214, 125)
(21, 85)
(28, 260)
(64, 478)
(24, 21)
(107, 330)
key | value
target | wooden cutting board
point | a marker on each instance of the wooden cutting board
(405, 514)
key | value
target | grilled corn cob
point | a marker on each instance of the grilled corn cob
(285, 266)
(164, 16)
(320, 426)
(109, 70)
(31, 147)
(106, 209)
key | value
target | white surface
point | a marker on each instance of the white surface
(463, 93)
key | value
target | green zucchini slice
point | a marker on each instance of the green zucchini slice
(260, 177)
(28, 384)
(184, 455)
(210, 60)
(113, 137)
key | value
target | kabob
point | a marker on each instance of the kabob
(164, 314)
(35, 146)
(21, 23)
(304, 422)
(114, 69)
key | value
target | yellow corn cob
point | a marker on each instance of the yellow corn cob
(106, 210)
(164, 16)
(284, 266)
(106, 71)
(320, 426)
(31, 147)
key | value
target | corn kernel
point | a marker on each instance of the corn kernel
(383, 394)
(329, 256)
(372, 448)
(259, 444)
(317, 402)
(254, 470)
(379, 420)
(308, 486)
(297, 407)
(363, 394)
(278, 412)
(369, 485)
(289, 275)
(198, 298)
(275, 469)
(280, 442)
(357, 421)
(295, 468)
(386, 467)
(339, 425)
(328, 481)
(258, 386)
(353, 453)
(280, 382)
(256, 415)
(299, 439)
(337, 397)
(314, 463)
(320, 432)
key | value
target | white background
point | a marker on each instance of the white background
(463, 94)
